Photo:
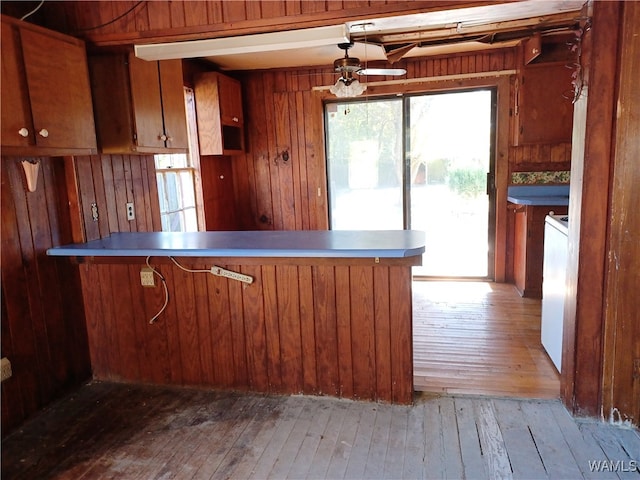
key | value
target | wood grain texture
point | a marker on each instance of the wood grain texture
(271, 336)
(190, 433)
(479, 338)
(528, 247)
(166, 21)
(588, 207)
(111, 181)
(43, 332)
(621, 389)
(257, 180)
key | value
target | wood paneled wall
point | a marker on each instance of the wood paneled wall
(313, 326)
(219, 200)
(112, 181)
(281, 116)
(160, 19)
(43, 322)
(43, 329)
(283, 113)
(540, 157)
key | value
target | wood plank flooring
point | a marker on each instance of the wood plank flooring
(479, 338)
(145, 432)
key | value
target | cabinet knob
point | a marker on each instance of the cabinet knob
(235, 119)
(44, 133)
(23, 132)
(169, 139)
(163, 138)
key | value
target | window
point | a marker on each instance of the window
(178, 178)
(176, 193)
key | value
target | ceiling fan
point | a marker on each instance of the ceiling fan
(347, 85)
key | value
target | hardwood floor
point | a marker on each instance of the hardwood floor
(144, 432)
(479, 338)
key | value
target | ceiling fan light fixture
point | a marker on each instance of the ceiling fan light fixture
(347, 88)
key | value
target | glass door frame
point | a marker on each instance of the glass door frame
(491, 174)
(406, 173)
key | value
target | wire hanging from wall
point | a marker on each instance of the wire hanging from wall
(166, 291)
(27, 15)
(113, 20)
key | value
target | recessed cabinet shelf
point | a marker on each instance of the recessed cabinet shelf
(219, 112)
(46, 98)
(139, 104)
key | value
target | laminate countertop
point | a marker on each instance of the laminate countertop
(551, 195)
(263, 243)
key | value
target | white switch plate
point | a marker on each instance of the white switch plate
(131, 213)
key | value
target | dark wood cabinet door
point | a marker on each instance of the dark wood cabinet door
(545, 111)
(147, 103)
(230, 101)
(58, 85)
(219, 111)
(172, 85)
(17, 128)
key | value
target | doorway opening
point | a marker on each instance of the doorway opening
(450, 154)
(422, 162)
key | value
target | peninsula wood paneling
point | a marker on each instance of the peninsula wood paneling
(325, 329)
(43, 330)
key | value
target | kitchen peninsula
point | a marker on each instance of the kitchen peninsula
(531, 204)
(327, 312)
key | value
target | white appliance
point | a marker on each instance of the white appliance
(556, 246)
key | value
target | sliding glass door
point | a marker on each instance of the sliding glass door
(449, 151)
(419, 162)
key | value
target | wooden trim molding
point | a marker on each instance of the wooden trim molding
(438, 78)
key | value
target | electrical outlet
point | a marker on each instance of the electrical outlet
(147, 278)
(5, 369)
(131, 213)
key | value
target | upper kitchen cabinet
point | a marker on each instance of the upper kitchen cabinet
(139, 105)
(543, 110)
(46, 99)
(219, 114)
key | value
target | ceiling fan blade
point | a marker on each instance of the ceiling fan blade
(381, 71)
